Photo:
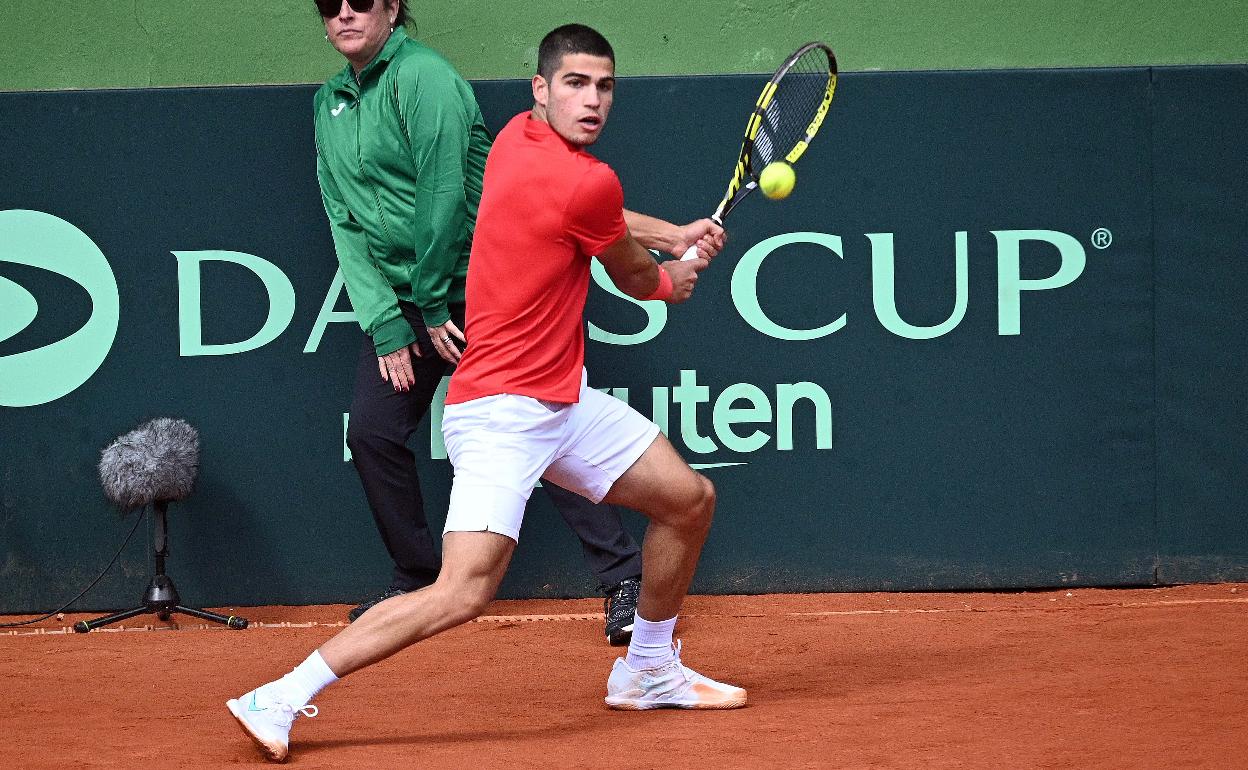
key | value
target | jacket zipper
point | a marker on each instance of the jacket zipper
(359, 151)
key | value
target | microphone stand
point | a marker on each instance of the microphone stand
(161, 596)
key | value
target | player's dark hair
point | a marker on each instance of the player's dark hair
(570, 39)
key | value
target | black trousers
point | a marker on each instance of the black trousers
(382, 420)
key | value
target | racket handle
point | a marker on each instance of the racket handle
(692, 251)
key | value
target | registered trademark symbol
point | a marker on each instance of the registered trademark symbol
(1101, 238)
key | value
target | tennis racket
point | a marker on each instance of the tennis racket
(786, 117)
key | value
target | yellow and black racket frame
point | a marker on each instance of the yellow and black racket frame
(745, 176)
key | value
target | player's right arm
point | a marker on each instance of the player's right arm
(595, 219)
(633, 271)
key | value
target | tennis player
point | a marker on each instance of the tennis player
(401, 149)
(518, 407)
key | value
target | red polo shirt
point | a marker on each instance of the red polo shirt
(547, 207)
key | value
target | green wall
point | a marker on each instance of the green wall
(993, 340)
(137, 43)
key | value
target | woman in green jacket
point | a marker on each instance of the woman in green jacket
(401, 149)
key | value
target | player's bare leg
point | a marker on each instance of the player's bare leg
(680, 504)
(473, 565)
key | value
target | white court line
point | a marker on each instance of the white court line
(598, 617)
(969, 608)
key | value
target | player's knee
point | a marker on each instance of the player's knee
(705, 506)
(463, 601)
(697, 505)
(475, 601)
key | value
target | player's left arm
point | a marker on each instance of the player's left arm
(661, 235)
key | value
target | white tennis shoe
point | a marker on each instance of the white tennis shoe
(672, 685)
(265, 714)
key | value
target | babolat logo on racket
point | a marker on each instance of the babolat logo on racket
(815, 123)
(35, 239)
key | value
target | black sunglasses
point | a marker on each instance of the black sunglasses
(330, 8)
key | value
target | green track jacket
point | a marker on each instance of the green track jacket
(400, 155)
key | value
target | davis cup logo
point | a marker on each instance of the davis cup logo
(34, 377)
(35, 239)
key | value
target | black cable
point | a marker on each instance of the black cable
(133, 529)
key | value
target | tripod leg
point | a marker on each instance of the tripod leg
(233, 621)
(83, 626)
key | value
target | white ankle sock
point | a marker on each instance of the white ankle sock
(651, 645)
(307, 679)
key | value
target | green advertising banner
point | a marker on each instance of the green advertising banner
(993, 340)
(1200, 220)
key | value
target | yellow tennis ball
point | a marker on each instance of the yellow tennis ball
(777, 180)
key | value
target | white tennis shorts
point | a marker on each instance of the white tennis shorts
(501, 445)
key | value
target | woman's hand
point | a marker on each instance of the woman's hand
(444, 338)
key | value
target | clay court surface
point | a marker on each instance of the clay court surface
(1149, 678)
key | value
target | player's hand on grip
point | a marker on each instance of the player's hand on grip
(684, 274)
(396, 368)
(707, 236)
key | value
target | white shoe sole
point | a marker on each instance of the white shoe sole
(637, 704)
(274, 752)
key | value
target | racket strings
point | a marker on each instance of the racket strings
(798, 96)
(764, 145)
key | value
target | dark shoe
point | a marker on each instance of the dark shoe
(355, 614)
(620, 607)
